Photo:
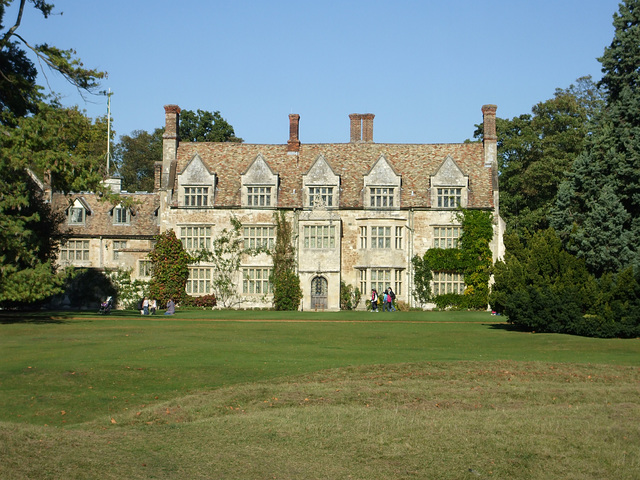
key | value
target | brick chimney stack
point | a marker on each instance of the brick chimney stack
(367, 127)
(356, 127)
(170, 141)
(361, 127)
(490, 136)
(293, 144)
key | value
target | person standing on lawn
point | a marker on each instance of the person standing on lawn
(374, 300)
(391, 298)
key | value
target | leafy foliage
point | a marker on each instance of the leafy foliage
(203, 126)
(58, 143)
(349, 296)
(596, 209)
(535, 151)
(287, 292)
(542, 287)
(19, 93)
(225, 256)
(473, 258)
(170, 264)
(128, 291)
(135, 156)
(203, 301)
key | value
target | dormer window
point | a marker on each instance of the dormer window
(196, 185)
(382, 186)
(321, 196)
(381, 197)
(259, 196)
(449, 186)
(259, 185)
(449, 197)
(196, 196)
(121, 215)
(77, 213)
(321, 186)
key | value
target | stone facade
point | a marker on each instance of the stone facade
(359, 210)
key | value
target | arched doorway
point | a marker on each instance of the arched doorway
(319, 289)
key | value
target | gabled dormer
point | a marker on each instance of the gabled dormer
(449, 186)
(78, 211)
(321, 186)
(121, 214)
(259, 185)
(196, 185)
(382, 186)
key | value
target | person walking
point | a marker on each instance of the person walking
(374, 301)
(391, 298)
(385, 304)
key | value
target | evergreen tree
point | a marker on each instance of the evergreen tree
(596, 210)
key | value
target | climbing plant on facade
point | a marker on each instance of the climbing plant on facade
(287, 293)
(472, 258)
(170, 264)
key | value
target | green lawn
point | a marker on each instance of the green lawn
(262, 394)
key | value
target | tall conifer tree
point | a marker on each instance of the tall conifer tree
(597, 206)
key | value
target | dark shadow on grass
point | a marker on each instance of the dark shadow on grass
(8, 317)
(509, 327)
(59, 316)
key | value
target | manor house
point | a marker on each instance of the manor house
(359, 210)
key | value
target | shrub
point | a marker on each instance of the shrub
(204, 301)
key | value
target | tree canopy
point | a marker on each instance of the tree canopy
(536, 150)
(204, 126)
(39, 138)
(19, 93)
(596, 213)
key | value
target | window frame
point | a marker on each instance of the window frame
(381, 197)
(259, 239)
(444, 196)
(65, 250)
(264, 194)
(326, 194)
(83, 215)
(117, 212)
(319, 237)
(451, 282)
(202, 283)
(186, 238)
(249, 282)
(199, 198)
(447, 241)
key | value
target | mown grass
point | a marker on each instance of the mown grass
(314, 395)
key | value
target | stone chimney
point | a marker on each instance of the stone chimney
(170, 141)
(361, 127)
(157, 175)
(114, 183)
(490, 136)
(293, 144)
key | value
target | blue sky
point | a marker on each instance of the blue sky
(424, 68)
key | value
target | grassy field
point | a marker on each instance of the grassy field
(263, 395)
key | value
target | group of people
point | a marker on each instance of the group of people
(386, 300)
(149, 307)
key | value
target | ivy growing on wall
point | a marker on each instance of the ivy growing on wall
(473, 258)
(170, 265)
(286, 283)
